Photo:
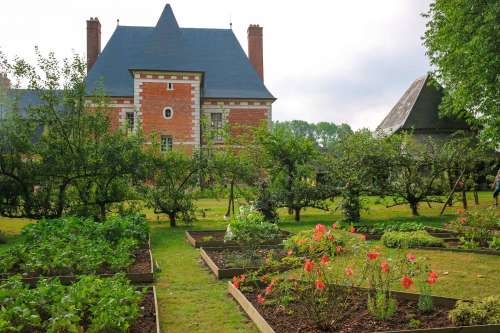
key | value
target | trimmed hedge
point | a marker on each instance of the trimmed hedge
(482, 312)
(421, 238)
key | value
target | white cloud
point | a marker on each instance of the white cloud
(342, 61)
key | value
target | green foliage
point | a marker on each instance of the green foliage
(495, 243)
(380, 228)
(312, 244)
(3, 237)
(462, 44)
(381, 306)
(76, 246)
(250, 226)
(476, 225)
(99, 305)
(482, 312)
(421, 238)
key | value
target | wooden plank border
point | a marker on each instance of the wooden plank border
(157, 313)
(264, 326)
(222, 273)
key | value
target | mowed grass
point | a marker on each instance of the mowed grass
(191, 300)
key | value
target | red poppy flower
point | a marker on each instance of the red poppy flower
(331, 237)
(432, 277)
(236, 282)
(362, 237)
(317, 236)
(308, 265)
(320, 228)
(320, 285)
(261, 300)
(325, 260)
(384, 266)
(352, 229)
(290, 252)
(460, 211)
(463, 220)
(269, 288)
(406, 282)
(334, 226)
(373, 255)
(339, 249)
(348, 271)
(411, 257)
(243, 277)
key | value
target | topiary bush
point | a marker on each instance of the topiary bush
(483, 312)
(421, 238)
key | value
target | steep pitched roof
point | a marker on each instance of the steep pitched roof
(418, 109)
(214, 52)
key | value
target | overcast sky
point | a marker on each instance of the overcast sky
(325, 60)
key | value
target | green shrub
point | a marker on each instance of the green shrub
(483, 312)
(476, 225)
(380, 228)
(99, 305)
(76, 246)
(421, 238)
(3, 237)
(250, 226)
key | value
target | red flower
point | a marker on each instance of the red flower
(290, 252)
(334, 226)
(362, 237)
(260, 299)
(352, 229)
(269, 288)
(463, 220)
(384, 266)
(325, 260)
(348, 271)
(373, 255)
(243, 277)
(432, 277)
(320, 228)
(411, 257)
(317, 236)
(460, 211)
(320, 285)
(339, 249)
(236, 282)
(308, 265)
(331, 237)
(406, 282)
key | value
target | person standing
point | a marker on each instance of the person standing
(496, 187)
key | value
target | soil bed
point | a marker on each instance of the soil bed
(228, 262)
(356, 319)
(140, 271)
(215, 238)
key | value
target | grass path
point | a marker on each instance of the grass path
(190, 299)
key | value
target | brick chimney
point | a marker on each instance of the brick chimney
(4, 81)
(93, 41)
(255, 49)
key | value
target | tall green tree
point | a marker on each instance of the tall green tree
(462, 41)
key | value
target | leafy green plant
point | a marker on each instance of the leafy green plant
(482, 312)
(250, 226)
(476, 225)
(495, 243)
(91, 304)
(421, 238)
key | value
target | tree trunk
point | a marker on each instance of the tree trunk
(102, 211)
(172, 218)
(464, 199)
(414, 208)
(60, 199)
(297, 214)
(231, 199)
(476, 198)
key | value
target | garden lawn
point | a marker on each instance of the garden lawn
(191, 300)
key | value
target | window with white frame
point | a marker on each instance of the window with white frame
(170, 86)
(216, 125)
(130, 121)
(166, 143)
(168, 112)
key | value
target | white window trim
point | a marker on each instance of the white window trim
(170, 86)
(171, 112)
(169, 147)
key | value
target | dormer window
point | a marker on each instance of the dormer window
(170, 86)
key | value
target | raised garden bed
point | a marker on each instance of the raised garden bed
(452, 245)
(215, 238)
(270, 320)
(436, 232)
(149, 321)
(219, 260)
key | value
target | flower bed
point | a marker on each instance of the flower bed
(227, 262)
(69, 247)
(215, 238)
(92, 304)
(269, 319)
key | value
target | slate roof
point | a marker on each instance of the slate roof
(227, 72)
(418, 109)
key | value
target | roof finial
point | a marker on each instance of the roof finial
(230, 22)
(117, 22)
